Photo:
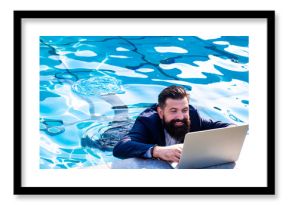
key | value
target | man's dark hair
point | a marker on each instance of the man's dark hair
(174, 92)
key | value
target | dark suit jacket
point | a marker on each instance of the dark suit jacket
(148, 131)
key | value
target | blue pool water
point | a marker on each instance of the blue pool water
(92, 88)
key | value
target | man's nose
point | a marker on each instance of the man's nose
(179, 116)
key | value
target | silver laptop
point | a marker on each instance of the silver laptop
(211, 147)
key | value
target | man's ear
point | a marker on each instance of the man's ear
(160, 112)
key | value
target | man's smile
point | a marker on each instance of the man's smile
(179, 124)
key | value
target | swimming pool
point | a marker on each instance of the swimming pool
(92, 88)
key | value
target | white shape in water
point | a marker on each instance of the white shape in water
(85, 53)
(207, 67)
(64, 52)
(181, 39)
(170, 49)
(238, 50)
(221, 42)
(187, 71)
(118, 56)
(209, 36)
(145, 70)
(191, 71)
(122, 49)
(228, 64)
(44, 67)
(54, 57)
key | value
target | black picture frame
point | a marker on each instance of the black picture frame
(19, 189)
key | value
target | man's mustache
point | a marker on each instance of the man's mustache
(179, 120)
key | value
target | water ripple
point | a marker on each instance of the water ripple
(104, 85)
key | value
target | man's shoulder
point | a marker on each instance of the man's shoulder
(150, 112)
(192, 109)
(149, 118)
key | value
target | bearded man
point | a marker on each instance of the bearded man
(159, 131)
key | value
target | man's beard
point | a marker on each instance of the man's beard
(177, 132)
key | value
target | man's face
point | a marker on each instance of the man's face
(175, 117)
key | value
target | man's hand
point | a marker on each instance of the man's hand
(169, 153)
